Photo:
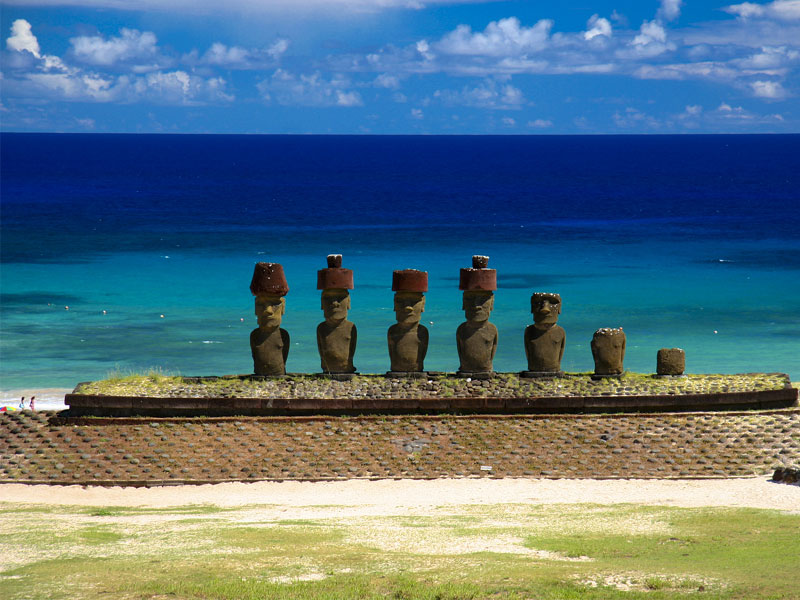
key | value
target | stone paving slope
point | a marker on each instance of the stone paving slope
(42, 447)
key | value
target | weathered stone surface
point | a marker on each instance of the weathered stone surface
(200, 450)
(476, 338)
(336, 336)
(408, 339)
(544, 340)
(608, 350)
(269, 344)
(670, 361)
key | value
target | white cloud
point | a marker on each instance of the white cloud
(22, 38)
(669, 10)
(488, 94)
(416, 113)
(236, 57)
(769, 58)
(130, 45)
(694, 109)
(384, 80)
(509, 122)
(505, 37)
(633, 117)
(597, 26)
(308, 90)
(540, 123)
(781, 10)
(768, 89)
(348, 99)
(250, 7)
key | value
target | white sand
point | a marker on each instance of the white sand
(46, 398)
(415, 496)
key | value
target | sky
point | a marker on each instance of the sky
(400, 66)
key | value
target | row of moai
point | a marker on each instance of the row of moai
(476, 337)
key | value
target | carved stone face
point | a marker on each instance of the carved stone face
(408, 307)
(478, 305)
(335, 304)
(269, 310)
(545, 308)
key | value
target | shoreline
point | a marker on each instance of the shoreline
(409, 496)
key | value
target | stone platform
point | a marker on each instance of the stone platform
(50, 448)
(440, 393)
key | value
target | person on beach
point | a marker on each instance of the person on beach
(22, 403)
(31, 404)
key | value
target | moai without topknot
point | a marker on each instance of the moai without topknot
(476, 338)
(670, 362)
(408, 339)
(336, 336)
(544, 340)
(608, 350)
(269, 344)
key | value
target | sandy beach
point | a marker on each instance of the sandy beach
(388, 496)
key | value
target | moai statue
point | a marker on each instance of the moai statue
(670, 361)
(408, 339)
(336, 336)
(544, 340)
(269, 343)
(608, 350)
(476, 338)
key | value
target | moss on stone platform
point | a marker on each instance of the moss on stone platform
(501, 385)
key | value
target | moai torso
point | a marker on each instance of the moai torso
(270, 350)
(407, 347)
(544, 348)
(337, 345)
(476, 346)
(608, 350)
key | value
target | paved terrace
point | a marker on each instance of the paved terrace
(48, 448)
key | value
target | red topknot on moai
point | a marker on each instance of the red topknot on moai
(408, 339)
(476, 338)
(336, 336)
(269, 343)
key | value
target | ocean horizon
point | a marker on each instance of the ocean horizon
(126, 253)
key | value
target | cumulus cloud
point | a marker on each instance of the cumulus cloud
(768, 89)
(286, 88)
(236, 57)
(489, 94)
(50, 78)
(506, 37)
(632, 117)
(540, 123)
(782, 10)
(22, 38)
(597, 26)
(651, 40)
(130, 45)
(669, 10)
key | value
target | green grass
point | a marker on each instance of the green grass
(498, 551)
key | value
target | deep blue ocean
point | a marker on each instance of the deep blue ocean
(687, 241)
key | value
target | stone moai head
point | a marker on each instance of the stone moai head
(545, 308)
(270, 288)
(409, 286)
(670, 361)
(334, 281)
(608, 350)
(478, 284)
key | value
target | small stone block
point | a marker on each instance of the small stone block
(541, 374)
(670, 361)
(475, 374)
(406, 375)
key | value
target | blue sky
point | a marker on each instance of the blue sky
(400, 66)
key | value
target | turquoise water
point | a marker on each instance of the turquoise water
(722, 284)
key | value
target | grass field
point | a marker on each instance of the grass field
(500, 551)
